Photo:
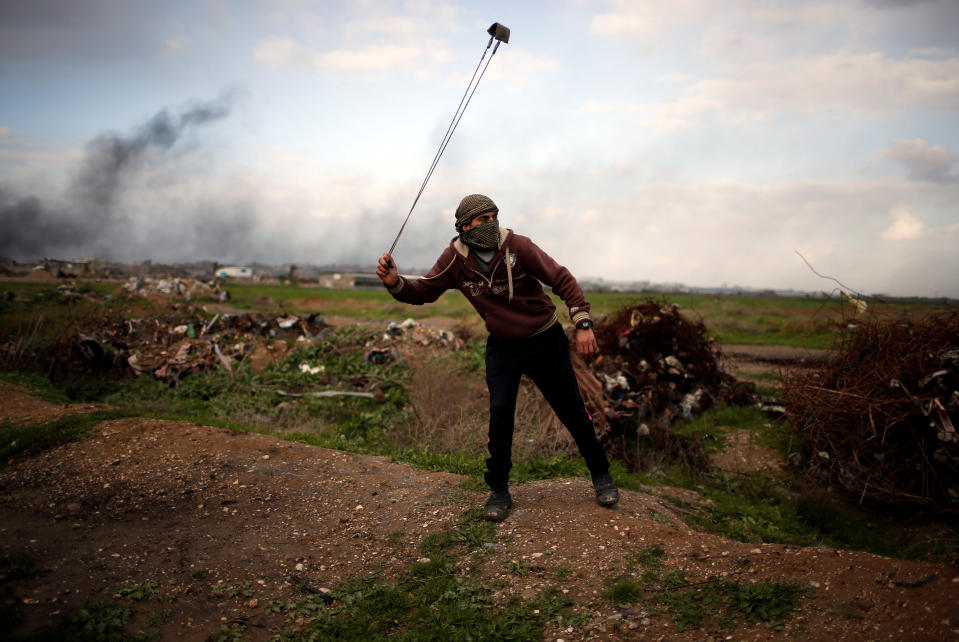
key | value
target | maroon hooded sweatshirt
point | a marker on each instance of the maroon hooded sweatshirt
(510, 299)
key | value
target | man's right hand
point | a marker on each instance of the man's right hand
(386, 270)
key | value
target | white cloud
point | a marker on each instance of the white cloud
(377, 58)
(925, 162)
(905, 226)
(518, 68)
(862, 82)
(276, 51)
(642, 21)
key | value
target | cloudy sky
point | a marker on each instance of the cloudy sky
(694, 141)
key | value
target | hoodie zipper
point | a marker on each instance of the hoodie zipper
(492, 272)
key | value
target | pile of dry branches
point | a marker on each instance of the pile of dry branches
(878, 416)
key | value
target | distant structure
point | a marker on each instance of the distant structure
(233, 272)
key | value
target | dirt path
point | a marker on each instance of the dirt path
(192, 507)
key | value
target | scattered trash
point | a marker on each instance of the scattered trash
(176, 288)
(657, 364)
(170, 347)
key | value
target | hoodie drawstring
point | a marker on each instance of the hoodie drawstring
(509, 275)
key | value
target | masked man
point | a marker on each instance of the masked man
(501, 274)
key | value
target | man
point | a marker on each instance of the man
(500, 273)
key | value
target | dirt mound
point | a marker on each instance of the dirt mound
(178, 509)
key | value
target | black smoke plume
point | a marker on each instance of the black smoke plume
(31, 229)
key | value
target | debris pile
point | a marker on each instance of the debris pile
(174, 288)
(401, 338)
(169, 347)
(655, 365)
(879, 415)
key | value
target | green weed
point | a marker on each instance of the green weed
(622, 591)
(37, 383)
(431, 600)
(220, 589)
(471, 531)
(139, 592)
(229, 633)
(96, 621)
(692, 604)
(520, 568)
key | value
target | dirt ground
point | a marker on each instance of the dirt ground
(190, 506)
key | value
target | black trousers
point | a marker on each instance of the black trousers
(544, 358)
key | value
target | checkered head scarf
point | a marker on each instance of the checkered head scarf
(481, 237)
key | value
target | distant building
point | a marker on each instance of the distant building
(234, 273)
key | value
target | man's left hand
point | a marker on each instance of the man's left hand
(586, 343)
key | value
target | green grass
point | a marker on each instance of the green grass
(140, 591)
(757, 508)
(373, 303)
(724, 601)
(431, 600)
(710, 427)
(95, 621)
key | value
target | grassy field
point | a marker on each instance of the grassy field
(759, 507)
(782, 321)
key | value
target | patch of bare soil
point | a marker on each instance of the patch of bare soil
(741, 454)
(191, 507)
(759, 359)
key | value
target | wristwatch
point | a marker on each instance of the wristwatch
(584, 325)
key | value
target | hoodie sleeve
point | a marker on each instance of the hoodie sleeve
(546, 269)
(428, 288)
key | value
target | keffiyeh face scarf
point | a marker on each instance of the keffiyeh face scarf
(483, 237)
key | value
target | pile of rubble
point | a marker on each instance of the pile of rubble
(879, 416)
(170, 347)
(400, 339)
(174, 288)
(656, 365)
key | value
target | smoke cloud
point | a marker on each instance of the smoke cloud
(89, 219)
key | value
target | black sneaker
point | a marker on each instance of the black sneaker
(497, 505)
(606, 492)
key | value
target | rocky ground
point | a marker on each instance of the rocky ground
(224, 522)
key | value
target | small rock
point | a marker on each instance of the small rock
(299, 566)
